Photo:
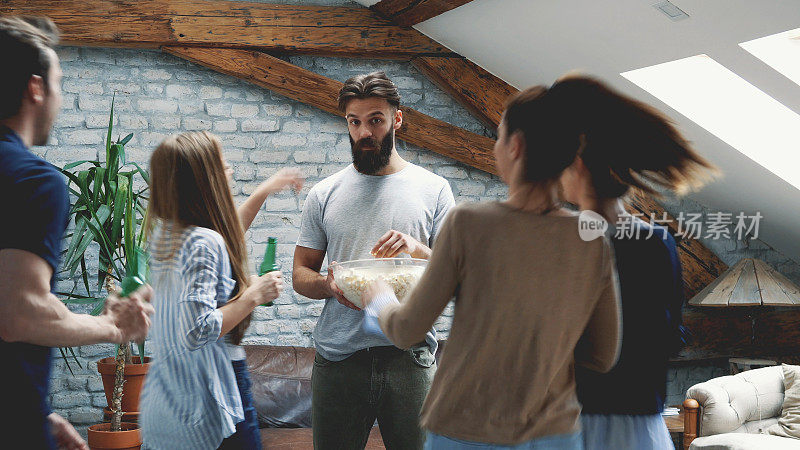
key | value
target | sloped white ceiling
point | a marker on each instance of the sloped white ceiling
(527, 42)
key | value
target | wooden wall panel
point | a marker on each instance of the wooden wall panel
(746, 332)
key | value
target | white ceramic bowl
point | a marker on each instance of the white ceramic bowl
(402, 274)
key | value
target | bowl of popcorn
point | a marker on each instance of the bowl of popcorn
(401, 274)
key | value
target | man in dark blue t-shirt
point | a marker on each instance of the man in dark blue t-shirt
(32, 320)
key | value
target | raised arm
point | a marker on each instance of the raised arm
(284, 179)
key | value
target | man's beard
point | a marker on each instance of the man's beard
(371, 161)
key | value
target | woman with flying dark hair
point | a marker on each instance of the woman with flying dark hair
(532, 299)
(627, 145)
(197, 391)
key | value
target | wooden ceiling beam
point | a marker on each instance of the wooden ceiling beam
(320, 30)
(482, 93)
(411, 12)
(321, 92)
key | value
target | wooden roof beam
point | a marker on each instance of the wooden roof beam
(411, 12)
(482, 93)
(320, 30)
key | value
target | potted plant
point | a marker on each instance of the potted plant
(109, 211)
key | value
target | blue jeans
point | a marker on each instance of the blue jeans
(559, 442)
(247, 436)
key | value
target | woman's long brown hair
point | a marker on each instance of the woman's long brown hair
(188, 187)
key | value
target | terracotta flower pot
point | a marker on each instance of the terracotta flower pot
(134, 379)
(100, 438)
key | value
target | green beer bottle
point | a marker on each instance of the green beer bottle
(269, 264)
(135, 277)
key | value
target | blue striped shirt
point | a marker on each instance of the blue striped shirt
(190, 398)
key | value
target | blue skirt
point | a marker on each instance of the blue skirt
(559, 442)
(625, 432)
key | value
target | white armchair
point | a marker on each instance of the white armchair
(730, 412)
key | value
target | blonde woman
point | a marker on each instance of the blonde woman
(196, 395)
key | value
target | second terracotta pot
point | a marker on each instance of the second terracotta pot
(101, 438)
(134, 380)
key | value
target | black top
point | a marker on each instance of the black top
(651, 290)
(36, 211)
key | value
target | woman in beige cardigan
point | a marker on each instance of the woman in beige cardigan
(532, 298)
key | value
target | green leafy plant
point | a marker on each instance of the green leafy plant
(109, 211)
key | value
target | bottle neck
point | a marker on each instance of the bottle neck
(269, 264)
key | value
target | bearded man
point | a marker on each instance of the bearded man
(380, 206)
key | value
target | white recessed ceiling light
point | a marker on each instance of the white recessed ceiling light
(671, 11)
(780, 51)
(730, 108)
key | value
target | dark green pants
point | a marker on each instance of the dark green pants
(383, 383)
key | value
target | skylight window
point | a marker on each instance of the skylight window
(730, 108)
(780, 51)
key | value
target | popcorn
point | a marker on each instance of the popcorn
(401, 279)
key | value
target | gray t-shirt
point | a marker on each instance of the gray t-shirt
(345, 215)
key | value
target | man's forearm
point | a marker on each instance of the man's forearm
(50, 323)
(310, 283)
